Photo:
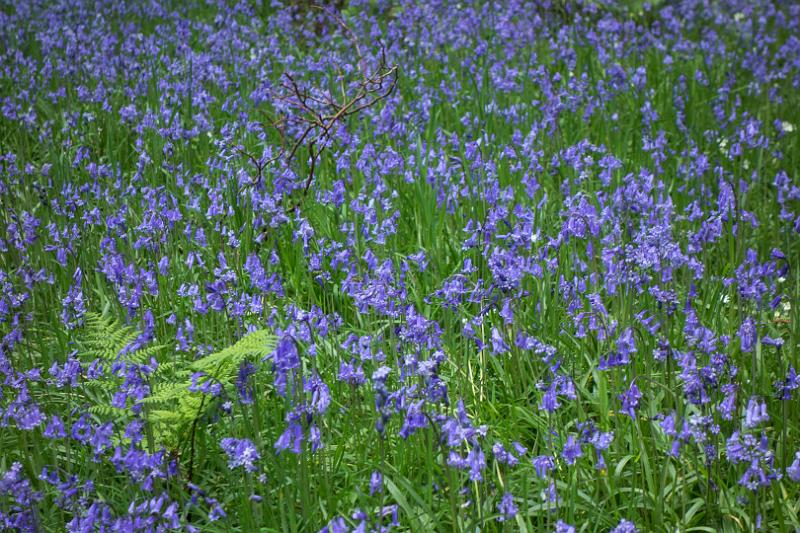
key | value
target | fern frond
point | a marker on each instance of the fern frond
(143, 355)
(105, 337)
(218, 364)
(168, 368)
(104, 411)
(171, 407)
(167, 392)
(167, 417)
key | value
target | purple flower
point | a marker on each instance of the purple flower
(727, 406)
(415, 419)
(756, 454)
(543, 464)
(476, 462)
(66, 375)
(337, 525)
(82, 429)
(320, 394)
(550, 401)
(245, 390)
(563, 527)
(101, 438)
(756, 413)
(507, 508)
(291, 438)
(503, 456)
(625, 347)
(630, 400)
(74, 303)
(572, 450)
(351, 373)
(747, 335)
(19, 501)
(55, 428)
(216, 512)
(314, 437)
(200, 382)
(550, 494)
(499, 345)
(625, 343)
(375, 483)
(624, 526)
(241, 452)
(793, 470)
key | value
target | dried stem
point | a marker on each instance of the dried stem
(318, 113)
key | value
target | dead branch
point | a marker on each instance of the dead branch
(316, 113)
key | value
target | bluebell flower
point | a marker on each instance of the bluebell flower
(476, 462)
(550, 402)
(320, 394)
(630, 400)
(499, 345)
(415, 419)
(375, 483)
(243, 386)
(793, 470)
(543, 464)
(624, 526)
(241, 452)
(337, 525)
(217, 512)
(74, 303)
(747, 335)
(55, 428)
(571, 451)
(563, 527)
(507, 508)
(291, 438)
(756, 413)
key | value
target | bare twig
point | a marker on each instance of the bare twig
(317, 113)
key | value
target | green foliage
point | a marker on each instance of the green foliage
(172, 407)
(104, 337)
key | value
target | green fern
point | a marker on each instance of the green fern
(175, 407)
(103, 411)
(105, 338)
(172, 407)
(219, 364)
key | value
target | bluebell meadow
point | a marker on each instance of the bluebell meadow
(399, 265)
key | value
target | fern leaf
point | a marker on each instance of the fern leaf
(259, 342)
(104, 411)
(171, 407)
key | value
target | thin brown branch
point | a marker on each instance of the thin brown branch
(314, 114)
